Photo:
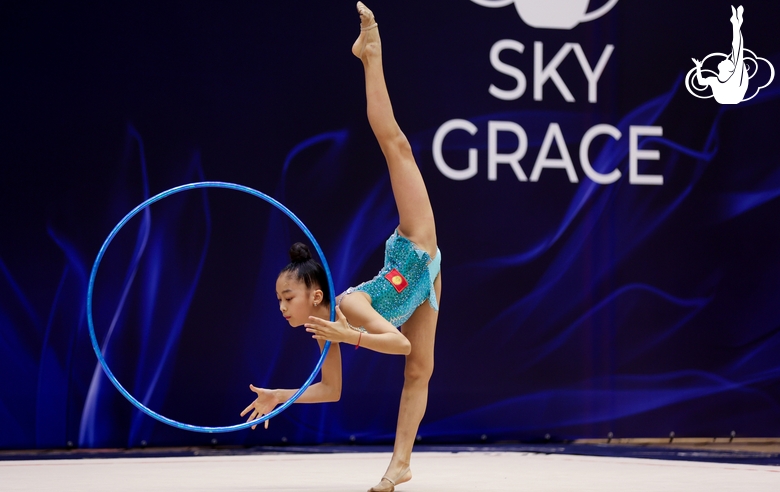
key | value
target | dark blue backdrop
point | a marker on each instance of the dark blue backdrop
(569, 308)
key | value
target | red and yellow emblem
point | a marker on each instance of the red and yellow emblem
(396, 280)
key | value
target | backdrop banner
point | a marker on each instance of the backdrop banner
(604, 176)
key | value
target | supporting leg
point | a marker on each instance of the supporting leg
(421, 332)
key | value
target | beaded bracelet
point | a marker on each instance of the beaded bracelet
(360, 330)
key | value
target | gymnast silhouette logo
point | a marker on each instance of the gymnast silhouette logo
(730, 84)
(552, 14)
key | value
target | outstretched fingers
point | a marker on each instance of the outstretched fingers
(247, 409)
(322, 329)
(256, 409)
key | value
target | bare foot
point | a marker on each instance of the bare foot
(388, 484)
(368, 42)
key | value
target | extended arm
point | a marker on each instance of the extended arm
(329, 387)
(701, 80)
(327, 390)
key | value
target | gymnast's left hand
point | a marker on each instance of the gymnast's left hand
(332, 331)
(265, 402)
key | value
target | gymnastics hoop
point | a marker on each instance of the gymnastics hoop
(99, 353)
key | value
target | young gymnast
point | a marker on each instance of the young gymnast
(405, 293)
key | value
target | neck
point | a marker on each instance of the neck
(321, 311)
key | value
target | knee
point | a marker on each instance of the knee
(397, 145)
(418, 372)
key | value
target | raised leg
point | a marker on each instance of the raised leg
(737, 44)
(736, 34)
(411, 197)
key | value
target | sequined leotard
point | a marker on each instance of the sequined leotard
(405, 281)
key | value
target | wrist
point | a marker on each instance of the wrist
(354, 334)
(357, 338)
(277, 396)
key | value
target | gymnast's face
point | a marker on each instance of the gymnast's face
(296, 301)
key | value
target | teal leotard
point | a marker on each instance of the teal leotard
(404, 282)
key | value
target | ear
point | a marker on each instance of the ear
(317, 297)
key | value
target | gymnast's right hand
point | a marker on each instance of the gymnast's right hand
(322, 329)
(264, 403)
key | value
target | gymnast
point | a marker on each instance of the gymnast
(405, 293)
(731, 84)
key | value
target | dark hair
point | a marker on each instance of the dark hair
(307, 270)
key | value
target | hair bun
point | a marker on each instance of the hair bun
(299, 253)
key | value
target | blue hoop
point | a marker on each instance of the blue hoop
(99, 353)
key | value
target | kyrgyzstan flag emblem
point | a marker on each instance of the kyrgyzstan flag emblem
(396, 280)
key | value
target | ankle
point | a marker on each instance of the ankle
(399, 465)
